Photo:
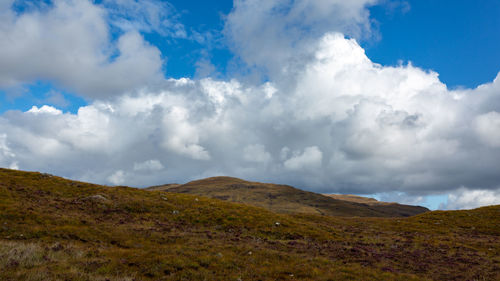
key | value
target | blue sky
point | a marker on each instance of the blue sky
(457, 39)
(391, 98)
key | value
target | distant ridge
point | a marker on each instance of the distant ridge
(357, 199)
(163, 187)
(287, 199)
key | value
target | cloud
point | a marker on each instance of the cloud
(277, 34)
(5, 150)
(145, 16)
(256, 153)
(46, 109)
(401, 197)
(346, 125)
(182, 136)
(70, 44)
(310, 158)
(149, 165)
(6, 155)
(488, 128)
(117, 178)
(56, 98)
(470, 199)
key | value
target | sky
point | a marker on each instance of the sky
(399, 100)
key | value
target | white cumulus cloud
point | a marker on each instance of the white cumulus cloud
(277, 34)
(70, 44)
(358, 126)
(45, 110)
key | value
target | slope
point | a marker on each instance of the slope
(56, 229)
(287, 199)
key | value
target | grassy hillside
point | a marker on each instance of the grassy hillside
(287, 199)
(57, 229)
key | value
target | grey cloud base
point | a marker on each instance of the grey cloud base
(346, 125)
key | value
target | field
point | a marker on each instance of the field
(56, 229)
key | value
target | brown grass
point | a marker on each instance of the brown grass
(56, 229)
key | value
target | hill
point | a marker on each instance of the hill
(287, 199)
(357, 199)
(57, 229)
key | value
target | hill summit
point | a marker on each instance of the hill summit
(287, 199)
